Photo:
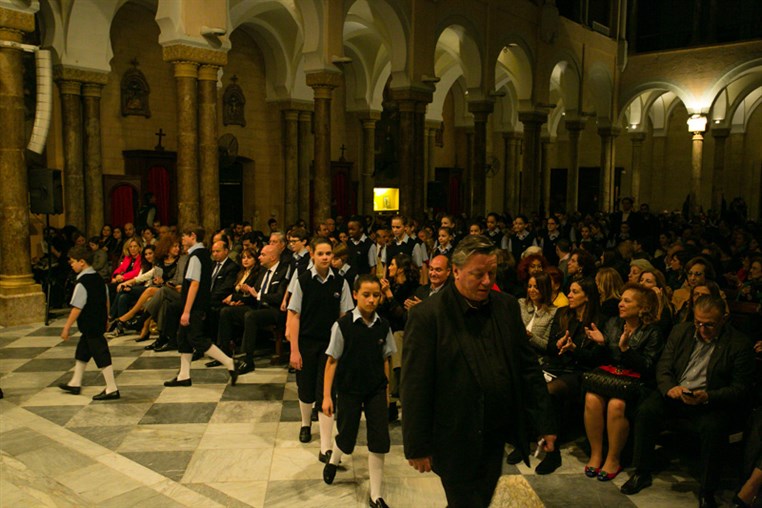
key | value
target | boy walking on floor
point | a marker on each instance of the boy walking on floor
(89, 304)
(359, 360)
(196, 290)
(320, 297)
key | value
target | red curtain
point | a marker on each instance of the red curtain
(158, 184)
(121, 205)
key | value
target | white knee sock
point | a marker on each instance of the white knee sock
(108, 375)
(306, 410)
(217, 354)
(337, 453)
(326, 431)
(376, 473)
(79, 371)
(185, 365)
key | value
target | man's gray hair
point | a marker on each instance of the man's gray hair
(470, 245)
(279, 235)
(709, 303)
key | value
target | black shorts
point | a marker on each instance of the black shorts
(349, 407)
(309, 380)
(192, 337)
(95, 347)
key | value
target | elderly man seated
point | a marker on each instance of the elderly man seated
(703, 376)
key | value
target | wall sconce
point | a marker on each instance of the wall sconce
(697, 124)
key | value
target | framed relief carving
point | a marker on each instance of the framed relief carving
(233, 102)
(135, 92)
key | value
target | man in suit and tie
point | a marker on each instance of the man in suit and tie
(470, 382)
(268, 289)
(224, 272)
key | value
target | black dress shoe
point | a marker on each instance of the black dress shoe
(514, 457)
(152, 346)
(176, 382)
(197, 355)
(636, 483)
(106, 396)
(143, 338)
(707, 501)
(314, 415)
(378, 503)
(165, 348)
(329, 473)
(305, 434)
(245, 368)
(71, 389)
(325, 458)
(550, 463)
(213, 363)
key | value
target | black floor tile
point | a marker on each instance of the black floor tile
(264, 391)
(188, 412)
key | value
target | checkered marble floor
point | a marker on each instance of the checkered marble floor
(217, 445)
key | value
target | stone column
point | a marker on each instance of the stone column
(532, 120)
(481, 111)
(368, 163)
(637, 156)
(659, 176)
(468, 193)
(291, 160)
(73, 175)
(186, 77)
(21, 300)
(208, 152)
(512, 146)
(697, 153)
(607, 135)
(544, 157)
(720, 136)
(91, 95)
(323, 84)
(574, 128)
(195, 71)
(306, 153)
(412, 109)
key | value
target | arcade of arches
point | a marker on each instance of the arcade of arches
(266, 107)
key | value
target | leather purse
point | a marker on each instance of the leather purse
(613, 382)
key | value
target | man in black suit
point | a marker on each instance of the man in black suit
(470, 380)
(439, 275)
(703, 376)
(268, 289)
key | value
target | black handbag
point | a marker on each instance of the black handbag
(613, 382)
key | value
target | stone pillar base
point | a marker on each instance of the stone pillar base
(22, 305)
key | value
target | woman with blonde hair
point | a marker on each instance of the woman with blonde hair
(655, 280)
(609, 284)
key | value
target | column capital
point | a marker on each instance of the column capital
(63, 73)
(290, 115)
(17, 20)
(533, 117)
(513, 135)
(324, 81)
(296, 105)
(609, 132)
(69, 87)
(369, 116)
(574, 125)
(412, 95)
(481, 109)
(185, 69)
(718, 132)
(208, 72)
(368, 123)
(184, 52)
(92, 89)
(637, 137)
(305, 116)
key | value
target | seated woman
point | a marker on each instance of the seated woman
(236, 305)
(128, 291)
(166, 254)
(556, 283)
(569, 354)
(537, 311)
(632, 341)
(609, 284)
(530, 265)
(685, 314)
(129, 267)
(751, 289)
(655, 281)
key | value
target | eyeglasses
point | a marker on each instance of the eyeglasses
(293, 240)
(695, 274)
(707, 326)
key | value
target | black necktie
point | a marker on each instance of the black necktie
(263, 291)
(215, 272)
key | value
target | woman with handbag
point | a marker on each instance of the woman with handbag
(569, 354)
(633, 343)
